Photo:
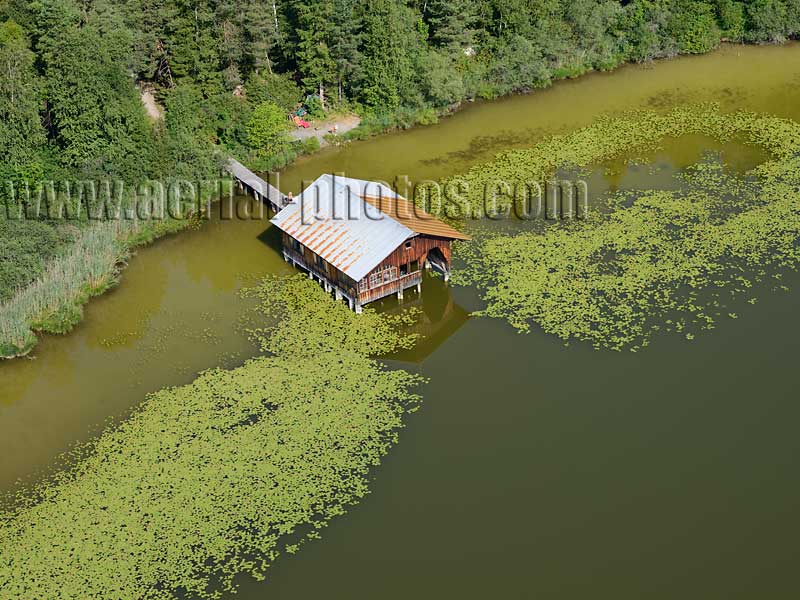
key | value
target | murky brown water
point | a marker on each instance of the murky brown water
(533, 470)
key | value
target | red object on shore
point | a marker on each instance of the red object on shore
(300, 122)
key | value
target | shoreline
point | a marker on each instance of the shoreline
(59, 316)
(83, 291)
(323, 132)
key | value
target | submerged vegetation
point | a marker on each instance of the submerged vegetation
(219, 477)
(657, 259)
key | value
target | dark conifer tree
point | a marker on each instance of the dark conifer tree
(451, 23)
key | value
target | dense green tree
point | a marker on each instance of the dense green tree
(391, 50)
(21, 134)
(345, 39)
(730, 15)
(766, 21)
(15, 10)
(551, 32)
(792, 17)
(645, 23)
(315, 63)
(97, 118)
(279, 89)
(441, 84)
(190, 47)
(518, 65)
(229, 19)
(145, 20)
(694, 27)
(266, 130)
(595, 38)
(187, 143)
(451, 23)
(510, 17)
(262, 35)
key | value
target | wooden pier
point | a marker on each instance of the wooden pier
(260, 189)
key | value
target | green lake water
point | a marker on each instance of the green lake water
(532, 469)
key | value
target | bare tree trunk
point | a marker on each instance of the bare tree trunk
(322, 96)
(163, 63)
(275, 16)
(268, 61)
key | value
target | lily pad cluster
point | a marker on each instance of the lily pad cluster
(292, 308)
(658, 260)
(218, 477)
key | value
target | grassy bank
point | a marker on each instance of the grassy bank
(87, 263)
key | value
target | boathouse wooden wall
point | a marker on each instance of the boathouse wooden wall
(420, 246)
(415, 249)
(308, 259)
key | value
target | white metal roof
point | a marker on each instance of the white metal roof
(332, 220)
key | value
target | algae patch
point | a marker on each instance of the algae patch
(218, 477)
(659, 260)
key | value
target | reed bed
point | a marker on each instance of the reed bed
(53, 303)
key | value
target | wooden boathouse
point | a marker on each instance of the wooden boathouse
(361, 240)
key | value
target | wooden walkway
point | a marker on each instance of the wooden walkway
(261, 190)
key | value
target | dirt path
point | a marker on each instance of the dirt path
(319, 129)
(154, 111)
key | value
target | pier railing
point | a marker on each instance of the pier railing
(261, 189)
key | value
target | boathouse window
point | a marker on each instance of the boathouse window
(381, 276)
(320, 261)
(408, 246)
(297, 246)
(403, 270)
(414, 267)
